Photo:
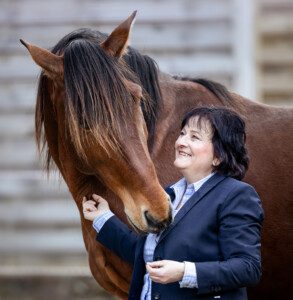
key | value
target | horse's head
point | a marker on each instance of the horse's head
(96, 104)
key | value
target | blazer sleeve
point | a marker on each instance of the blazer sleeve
(116, 236)
(240, 219)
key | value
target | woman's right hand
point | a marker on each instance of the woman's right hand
(94, 208)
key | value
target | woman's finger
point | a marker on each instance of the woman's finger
(154, 271)
(85, 201)
(92, 207)
(91, 202)
(98, 198)
(89, 206)
(156, 279)
(156, 264)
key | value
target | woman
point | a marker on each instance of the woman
(212, 248)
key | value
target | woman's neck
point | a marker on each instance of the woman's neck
(192, 178)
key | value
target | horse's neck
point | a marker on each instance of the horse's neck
(180, 96)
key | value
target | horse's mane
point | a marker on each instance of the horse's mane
(219, 90)
(97, 98)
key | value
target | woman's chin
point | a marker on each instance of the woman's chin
(180, 165)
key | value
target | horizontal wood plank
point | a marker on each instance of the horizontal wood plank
(77, 12)
(50, 271)
(201, 62)
(15, 126)
(42, 241)
(31, 185)
(18, 96)
(45, 213)
(276, 57)
(275, 25)
(275, 85)
(147, 37)
(19, 153)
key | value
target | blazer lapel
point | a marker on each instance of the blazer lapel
(170, 192)
(195, 198)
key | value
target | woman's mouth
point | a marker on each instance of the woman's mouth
(181, 153)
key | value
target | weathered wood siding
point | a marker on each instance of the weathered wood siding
(274, 51)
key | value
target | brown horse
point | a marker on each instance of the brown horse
(109, 119)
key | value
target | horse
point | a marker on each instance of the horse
(108, 118)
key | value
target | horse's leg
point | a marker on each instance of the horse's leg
(105, 263)
(102, 262)
(112, 265)
(111, 270)
(113, 289)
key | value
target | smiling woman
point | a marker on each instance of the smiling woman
(212, 247)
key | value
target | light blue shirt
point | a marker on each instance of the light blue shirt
(183, 193)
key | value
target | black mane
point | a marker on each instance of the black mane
(147, 71)
(215, 88)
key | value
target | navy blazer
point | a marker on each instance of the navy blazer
(218, 228)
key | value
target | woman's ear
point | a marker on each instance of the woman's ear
(215, 162)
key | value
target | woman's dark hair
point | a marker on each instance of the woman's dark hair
(228, 138)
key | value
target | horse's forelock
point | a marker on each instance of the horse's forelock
(97, 98)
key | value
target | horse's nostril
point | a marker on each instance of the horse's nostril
(150, 219)
(155, 225)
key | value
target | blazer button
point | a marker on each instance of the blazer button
(217, 288)
(157, 296)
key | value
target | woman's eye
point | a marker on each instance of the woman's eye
(181, 133)
(194, 137)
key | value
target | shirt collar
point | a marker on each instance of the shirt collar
(195, 185)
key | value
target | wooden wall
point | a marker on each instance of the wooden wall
(274, 51)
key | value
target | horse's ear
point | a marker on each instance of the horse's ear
(51, 63)
(116, 43)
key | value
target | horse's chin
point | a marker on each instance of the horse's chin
(142, 230)
(135, 227)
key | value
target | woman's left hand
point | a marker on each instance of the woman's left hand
(165, 271)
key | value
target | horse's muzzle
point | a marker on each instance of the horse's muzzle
(155, 226)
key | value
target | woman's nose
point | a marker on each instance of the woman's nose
(181, 146)
(182, 142)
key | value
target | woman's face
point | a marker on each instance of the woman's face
(194, 152)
